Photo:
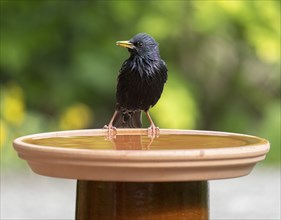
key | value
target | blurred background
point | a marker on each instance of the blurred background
(59, 65)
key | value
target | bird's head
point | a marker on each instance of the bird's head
(142, 45)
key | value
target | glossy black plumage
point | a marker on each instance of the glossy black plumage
(140, 82)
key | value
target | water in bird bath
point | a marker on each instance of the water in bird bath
(144, 142)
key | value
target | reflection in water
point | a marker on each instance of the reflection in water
(131, 142)
(144, 142)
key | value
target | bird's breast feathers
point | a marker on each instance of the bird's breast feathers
(140, 86)
(145, 69)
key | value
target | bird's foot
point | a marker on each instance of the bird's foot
(111, 131)
(153, 131)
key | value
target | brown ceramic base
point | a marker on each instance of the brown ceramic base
(131, 176)
(145, 201)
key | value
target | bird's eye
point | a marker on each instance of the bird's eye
(139, 44)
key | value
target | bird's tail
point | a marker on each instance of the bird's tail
(128, 119)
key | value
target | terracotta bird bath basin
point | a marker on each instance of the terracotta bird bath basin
(134, 176)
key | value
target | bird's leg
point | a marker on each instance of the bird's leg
(152, 129)
(110, 126)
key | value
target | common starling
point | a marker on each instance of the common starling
(140, 83)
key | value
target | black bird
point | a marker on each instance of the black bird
(140, 83)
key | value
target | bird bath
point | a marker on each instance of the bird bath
(134, 176)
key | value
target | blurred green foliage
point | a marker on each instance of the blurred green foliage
(59, 65)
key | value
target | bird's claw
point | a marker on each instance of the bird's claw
(153, 131)
(111, 131)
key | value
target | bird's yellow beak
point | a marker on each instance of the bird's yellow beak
(126, 44)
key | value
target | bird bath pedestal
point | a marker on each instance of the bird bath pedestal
(133, 176)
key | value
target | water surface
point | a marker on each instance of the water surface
(143, 142)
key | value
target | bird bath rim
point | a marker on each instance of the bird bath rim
(141, 165)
